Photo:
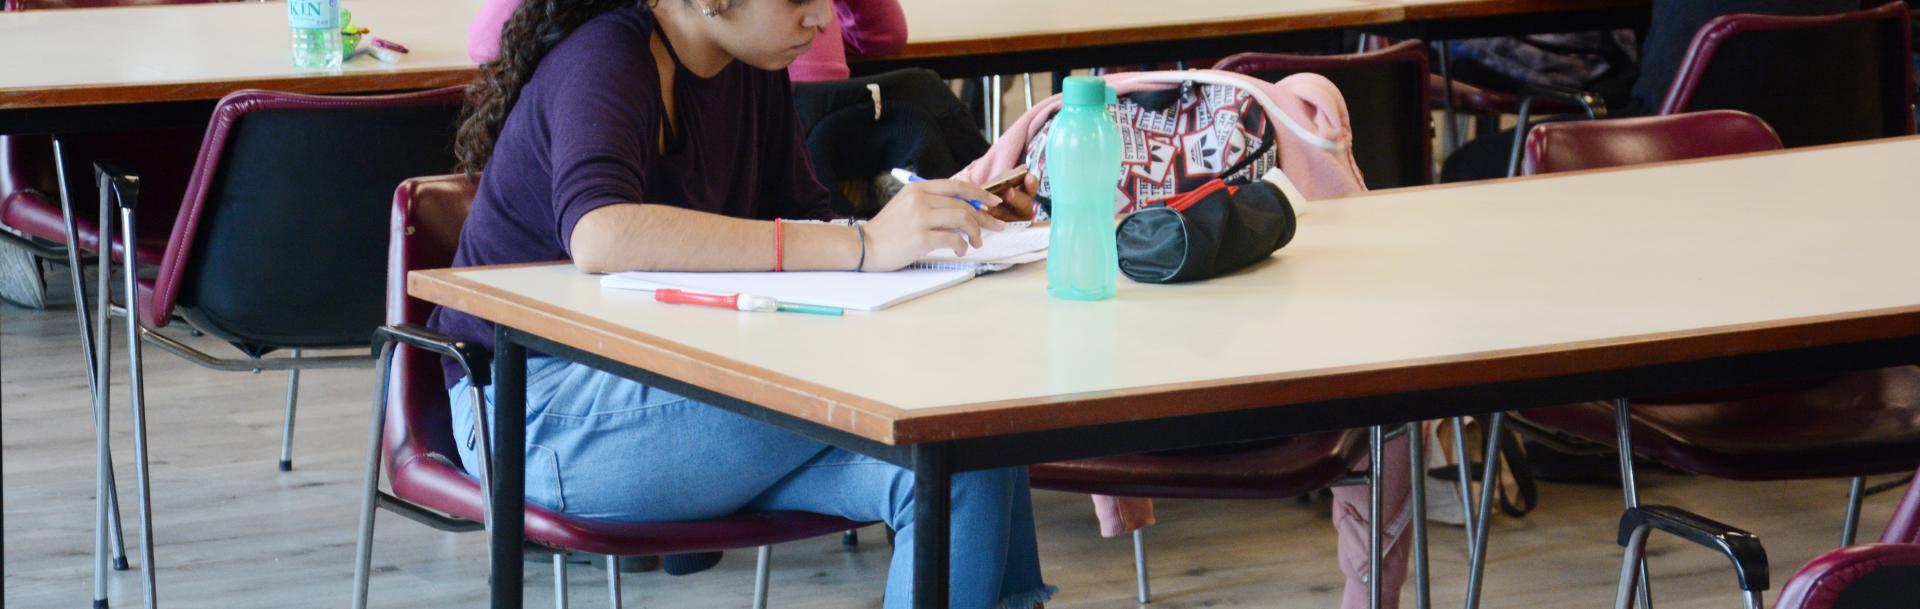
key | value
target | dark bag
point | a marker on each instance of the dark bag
(1212, 231)
(919, 125)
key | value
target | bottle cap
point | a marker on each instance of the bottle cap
(1085, 90)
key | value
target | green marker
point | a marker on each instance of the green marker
(810, 309)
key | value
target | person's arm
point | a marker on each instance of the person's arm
(923, 217)
(483, 37)
(871, 27)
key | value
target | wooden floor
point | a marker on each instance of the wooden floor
(233, 532)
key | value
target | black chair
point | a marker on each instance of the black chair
(1815, 80)
(280, 242)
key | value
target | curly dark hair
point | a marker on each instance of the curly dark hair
(528, 35)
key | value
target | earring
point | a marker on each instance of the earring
(708, 11)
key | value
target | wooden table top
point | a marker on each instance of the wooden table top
(1423, 10)
(59, 58)
(943, 28)
(202, 52)
(1384, 293)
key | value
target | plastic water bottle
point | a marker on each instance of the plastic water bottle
(315, 26)
(1083, 169)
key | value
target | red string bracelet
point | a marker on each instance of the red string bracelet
(777, 257)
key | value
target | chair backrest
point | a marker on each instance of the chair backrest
(279, 239)
(428, 215)
(1574, 145)
(1816, 80)
(1865, 576)
(1905, 526)
(1386, 93)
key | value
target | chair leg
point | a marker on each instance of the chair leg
(560, 580)
(1852, 526)
(1376, 466)
(763, 563)
(137, 389)
(613, 582)
(370, 489)
(286, 428)
(999, 105)
(1449, 129)
(1490, 476)
(1629, 486)
(986, 108)
(1140, 565)
(1465, 472)
(1629, 575)
(114, 529)
(103, 365)
(1417, 453)
(105, 502)
(1026, 78)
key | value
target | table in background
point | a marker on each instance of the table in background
(130, 67)
(1398, 306)
(986, 37)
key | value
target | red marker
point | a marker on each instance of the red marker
(738, 302)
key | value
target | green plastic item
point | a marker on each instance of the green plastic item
(1083, 169)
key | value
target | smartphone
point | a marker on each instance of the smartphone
(1010, 180)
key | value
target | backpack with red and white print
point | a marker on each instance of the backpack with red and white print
(1182, 129)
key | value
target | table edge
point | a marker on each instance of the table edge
(1051, 41)
(1883, 141)
(897, 426)
(144, 93)
(1463, 9)
(760, 386)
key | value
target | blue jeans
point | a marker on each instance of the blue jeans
(605, 447)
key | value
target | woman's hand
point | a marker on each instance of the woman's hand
(1017, 200)
(924, 217)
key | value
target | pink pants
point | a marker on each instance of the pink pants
(1120, 515)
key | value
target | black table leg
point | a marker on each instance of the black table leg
(509, 468)
(932, 488)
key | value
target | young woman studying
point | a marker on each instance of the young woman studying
(661, 135)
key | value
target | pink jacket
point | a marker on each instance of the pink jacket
(865, 27)
(1315, 146)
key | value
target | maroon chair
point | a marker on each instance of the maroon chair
(1386, 98)
(1815, 80)
(1867, 576)
(1573, 146)
(1884, 574)
(1854, 424)
(420, 456)
(1289, 468)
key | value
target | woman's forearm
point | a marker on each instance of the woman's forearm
(636, 237)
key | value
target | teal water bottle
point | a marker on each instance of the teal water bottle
(315, 28)
(1083, 169)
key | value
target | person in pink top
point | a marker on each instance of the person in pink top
(861, 27)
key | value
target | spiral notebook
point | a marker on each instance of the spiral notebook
(858, 291)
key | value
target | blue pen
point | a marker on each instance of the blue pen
(909, 178)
